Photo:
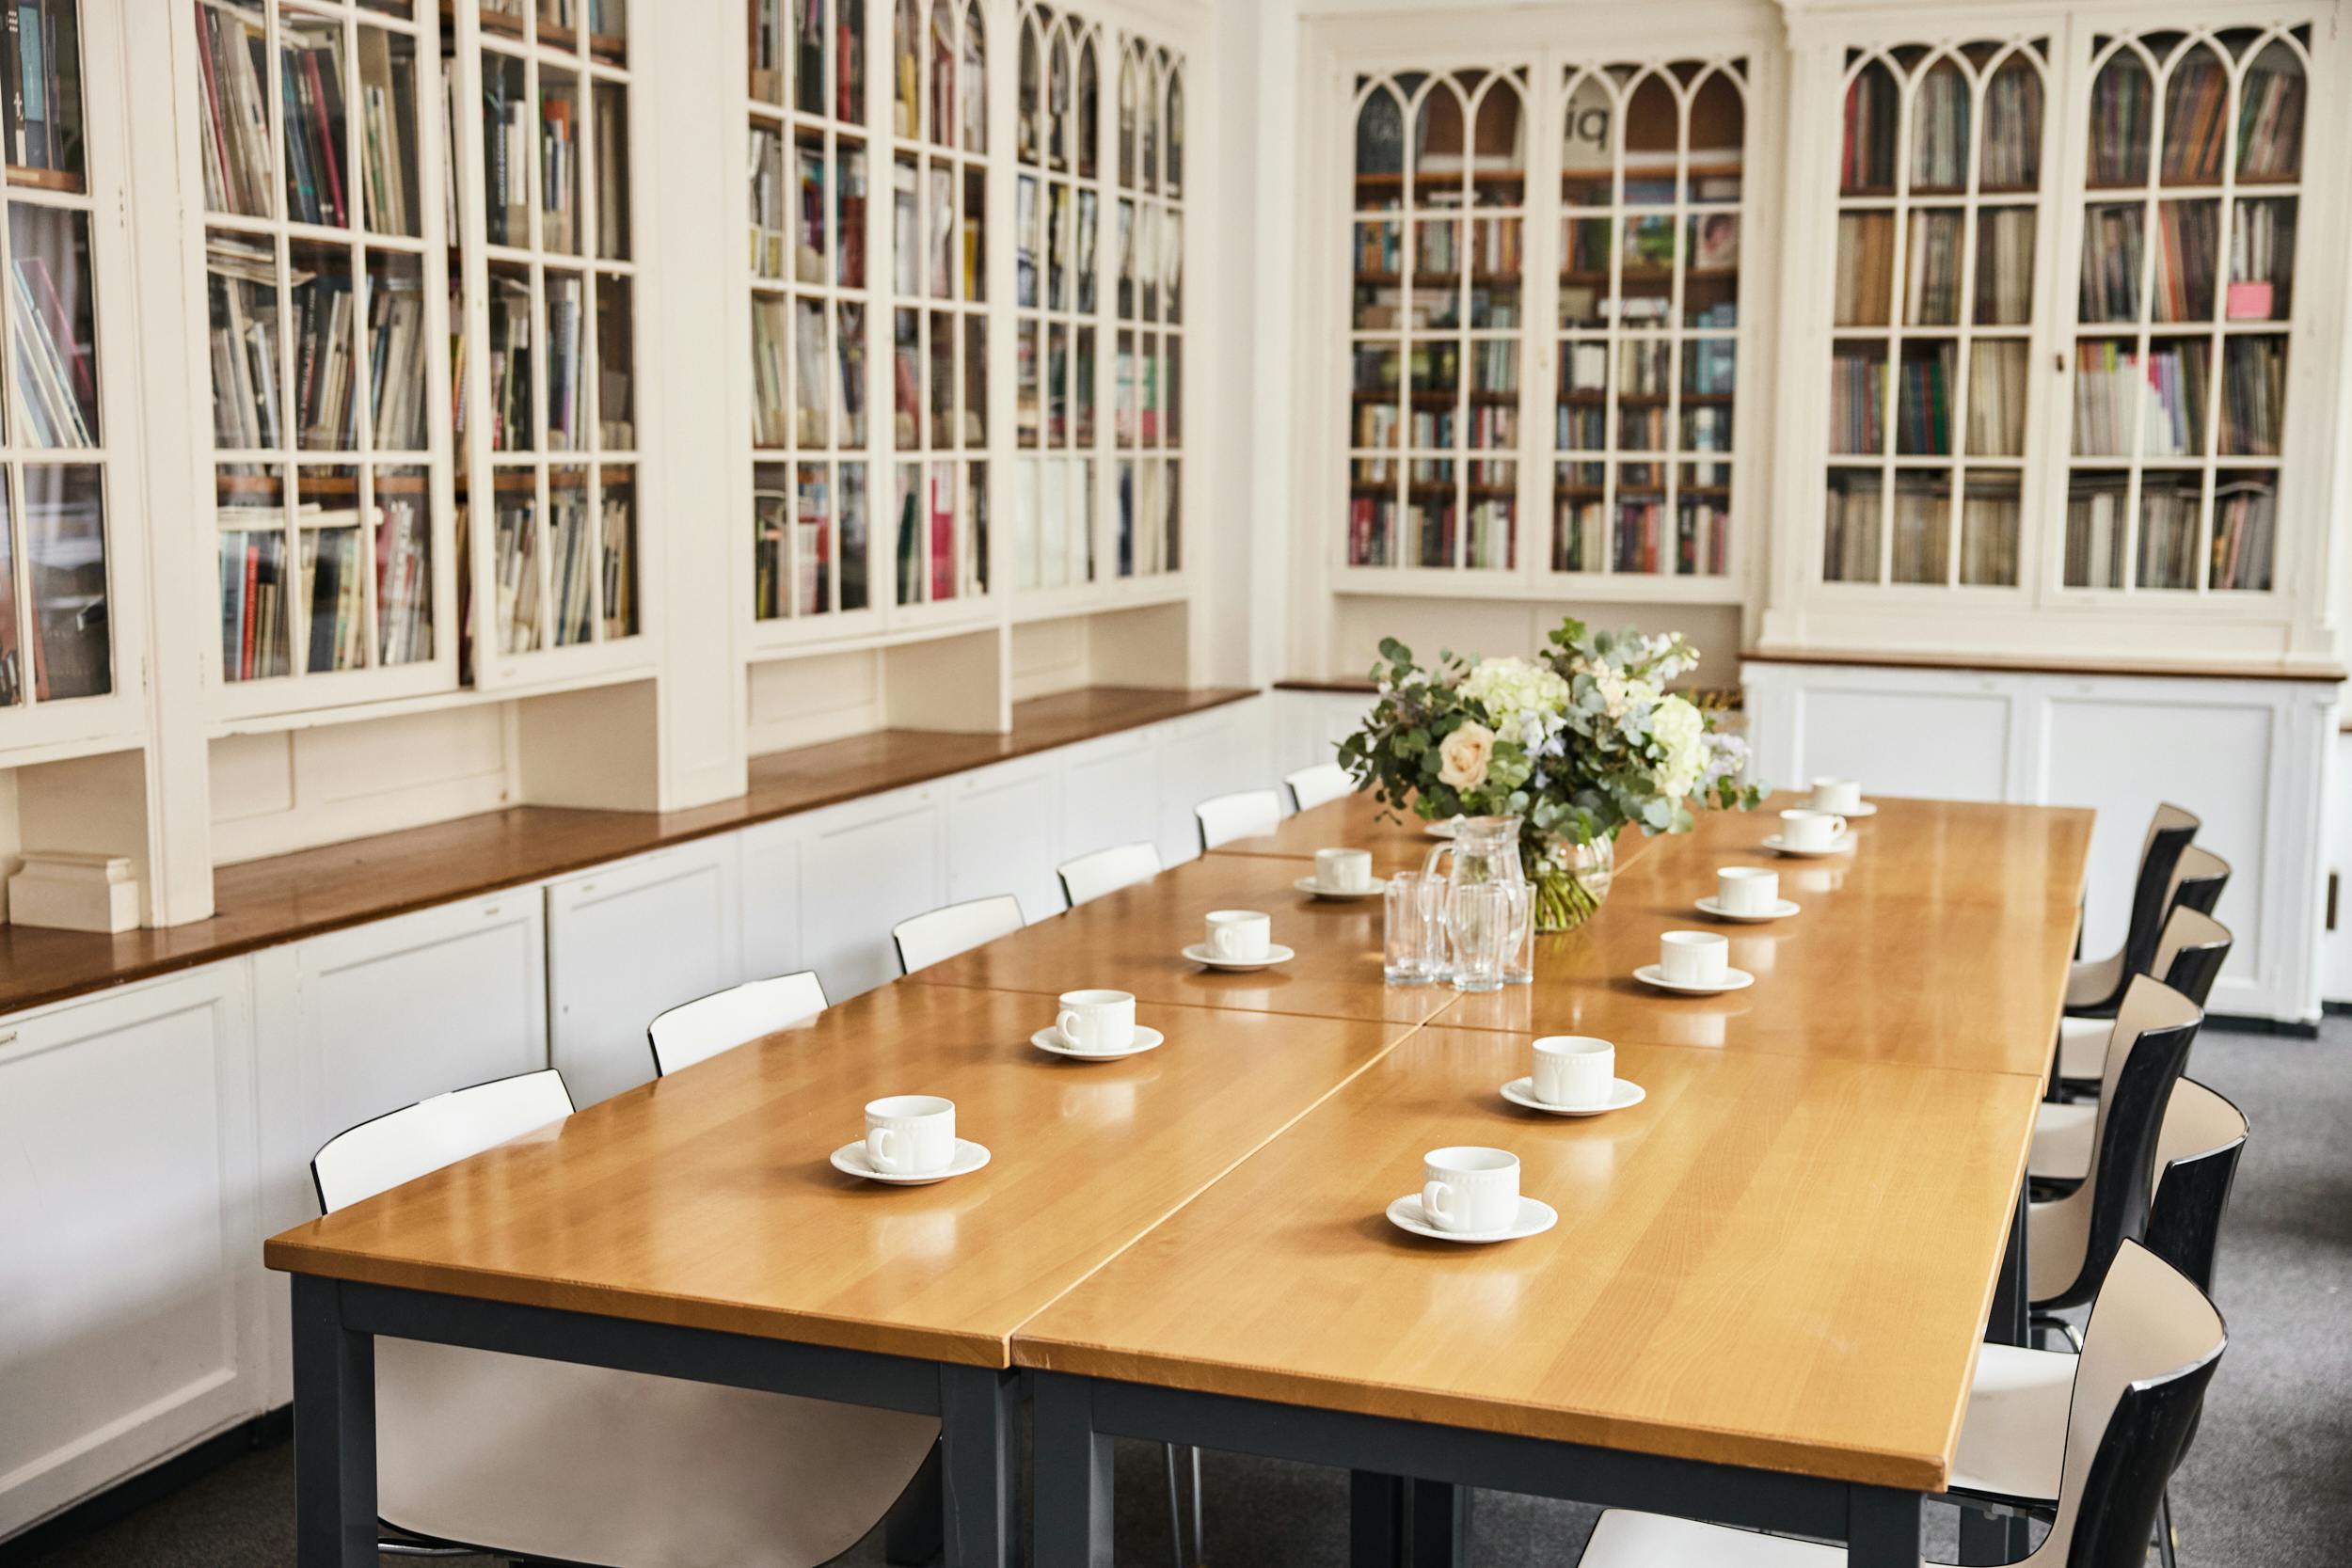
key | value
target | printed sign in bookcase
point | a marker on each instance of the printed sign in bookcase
(810, 169)
(1057, 219)
(1652, 181)
(547, 414)
(2186, 294)
(939, 316)
(324, 256)
(1437, 319)
(1939, 214)
(54, 643)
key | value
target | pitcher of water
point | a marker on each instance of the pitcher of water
(1487, 850)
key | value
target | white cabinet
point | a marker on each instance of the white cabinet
(1306, 728)
(130, 1272)
(2249, 757)
(2335, 980)
(865, 868)
(769, 855)
(1004, 834)
(1201, 755)
(628, 940)
(1110, 793)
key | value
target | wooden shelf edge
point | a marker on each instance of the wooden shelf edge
(2254, 670)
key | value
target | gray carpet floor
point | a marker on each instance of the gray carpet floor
(2269, 1481)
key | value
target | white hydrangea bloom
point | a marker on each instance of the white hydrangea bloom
(1512, 688)
(1680, 733)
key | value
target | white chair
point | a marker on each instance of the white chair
(698, 1030)
(929, 939)
(1318, 785)
(2012, 1442)
(1226, 817)
(2189, 958)
(2095, 987)
(547, 1459)
(2151, 1351)
(1089, 877)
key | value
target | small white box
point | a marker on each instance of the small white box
(74, 893)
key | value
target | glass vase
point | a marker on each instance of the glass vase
(1571, 882)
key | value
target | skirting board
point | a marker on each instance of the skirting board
(128, 1495)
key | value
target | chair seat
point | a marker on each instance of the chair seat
(2061, 1141)
(1626, 1539)
(552, 1460)
(2012, 1443)
(2082, 1052)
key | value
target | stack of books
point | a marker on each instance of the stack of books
(252, 606)
(2253, 394)
(404, 576)
(232, 55)
(41, 52)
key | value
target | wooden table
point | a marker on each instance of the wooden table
(1359, 821)
(693, 1225)
(1774, 1264)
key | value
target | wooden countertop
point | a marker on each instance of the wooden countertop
(707, 1198)
(1773, 1260)
(2023, 664)
(285, 898)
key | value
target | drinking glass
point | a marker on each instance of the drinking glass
(1519, 960)
(1413, 941)
(1478, 917)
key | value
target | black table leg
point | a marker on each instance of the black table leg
(977, 1461)
(912, 1529)
(1073, 1475)
(1989, 1538)
(334, 1372)
(1441, 1525)
(1881, 1527)
(1376, 1520)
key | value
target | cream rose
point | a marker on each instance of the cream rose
(1464, 754)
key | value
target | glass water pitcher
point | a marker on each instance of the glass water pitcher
(1487, 850)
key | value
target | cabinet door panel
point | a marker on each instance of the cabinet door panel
(1004, 835)
(130, 1275)
(1208, 754)
(1110, 793)
(864, 869)
(626, 941)
(771, 900)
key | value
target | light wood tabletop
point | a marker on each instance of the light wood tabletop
(1885, 960)
(707, 1198)
(1134, 940)
(1774, 1261)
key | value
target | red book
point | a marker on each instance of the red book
(326, 138)
(252, 575)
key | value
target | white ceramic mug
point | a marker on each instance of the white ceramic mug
(1343, 870)
(1097, 1020)
(1470, 1189)
(1747, 889)
(1239, 936)
(1693, 957)
(1575, 1071)
(907, 1134)
(1811, 830)
(1837, 794)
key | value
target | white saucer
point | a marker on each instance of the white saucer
(1050, 1039)
(1867, 808)
(1308, 884)
(850, 1159)
(1650, 974)
(1443, 827)
(1773, 842)
(1275, 953)
(1535, 1217)
(1781, 908)
(1622, 1095)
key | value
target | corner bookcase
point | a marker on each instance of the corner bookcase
(2047, 338)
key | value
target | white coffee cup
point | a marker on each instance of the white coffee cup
(1343, 870)
(1470, 1189)
(1747, 889)
(1811, 830)
(907, 1134)
(1239, 936)
(1575, 1071)
(1837, 794)
(1097, 1020)
(1693, 957)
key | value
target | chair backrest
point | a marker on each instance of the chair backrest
(403, 1145)
(2149, 1353)
(2145, 1054)
(1317, 786)
(2198, 879)
(928, 939)
(698, 1030)
(2191, 952)
(1226, 817)
(1089, 877)
(2197, 1155)
(2168, 834)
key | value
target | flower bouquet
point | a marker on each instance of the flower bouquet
(1575, 744)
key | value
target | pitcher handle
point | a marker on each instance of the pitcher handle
(1437, 850)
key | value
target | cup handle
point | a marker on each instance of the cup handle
(1430, 1206)
(1838, 832)
(885, 1147)
(1069, 1036)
